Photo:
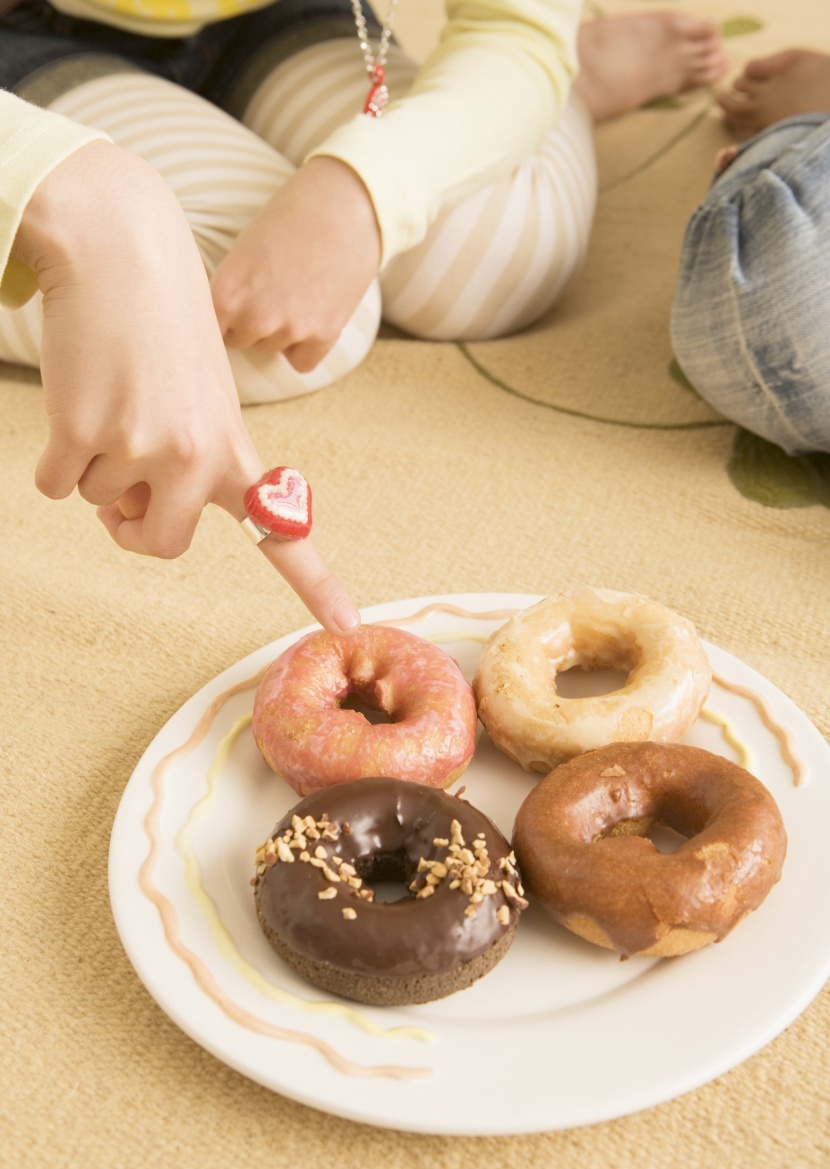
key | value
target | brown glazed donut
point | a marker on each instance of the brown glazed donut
(581, 841)
(314, 895)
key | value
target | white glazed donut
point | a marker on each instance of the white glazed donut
(515, 684)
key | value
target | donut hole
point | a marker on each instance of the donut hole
(666, 839)
(593, 664)
(589, 682)
(388, 874)
(663, 836)
(364, 704)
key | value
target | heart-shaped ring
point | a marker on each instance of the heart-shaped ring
(279, 504)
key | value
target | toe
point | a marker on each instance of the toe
(735, 107)
(707, 38)
(744, 87)
(710, 66)
(693, 28)
(762, 68)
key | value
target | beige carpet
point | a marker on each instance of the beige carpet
(625, 480)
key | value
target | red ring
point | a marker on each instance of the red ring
(280, 502)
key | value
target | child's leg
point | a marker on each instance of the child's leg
(751, 316)
(222, 174)
(500, 259)
(492, 264)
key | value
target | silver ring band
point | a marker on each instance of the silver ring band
(253, 530)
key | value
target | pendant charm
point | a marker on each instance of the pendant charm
(280, 502)
(378, 95)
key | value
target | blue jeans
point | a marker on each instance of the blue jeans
(751, 315)
(43, 52)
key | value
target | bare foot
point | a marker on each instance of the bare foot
(771, 88)
(626, 61)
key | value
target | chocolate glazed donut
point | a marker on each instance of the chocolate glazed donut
(581, 840)
(315, 903)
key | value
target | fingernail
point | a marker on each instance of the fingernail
(345, 616)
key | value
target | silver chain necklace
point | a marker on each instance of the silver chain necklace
(375, 62)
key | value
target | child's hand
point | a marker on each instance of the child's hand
(142, 409)
(299, 270)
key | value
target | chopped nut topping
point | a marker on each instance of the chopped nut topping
(296, 837)
(467, 869)
(511, 894)
(609, 772)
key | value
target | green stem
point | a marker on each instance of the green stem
(499, 384)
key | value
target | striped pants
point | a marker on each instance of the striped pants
(489, 266)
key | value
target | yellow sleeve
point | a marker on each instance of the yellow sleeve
(482, 102)
(32, 143)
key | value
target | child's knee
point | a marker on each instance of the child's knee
(751, 316)
(499, 260)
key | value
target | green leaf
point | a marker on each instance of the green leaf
(741, 26)
(762, 472)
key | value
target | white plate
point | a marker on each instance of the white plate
(560, 1034)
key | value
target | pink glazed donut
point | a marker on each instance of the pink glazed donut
(309, 738)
